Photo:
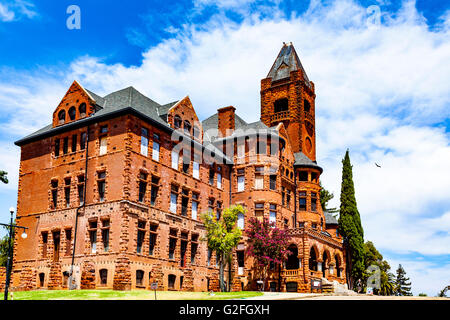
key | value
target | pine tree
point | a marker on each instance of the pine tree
(325, 197)
(350, 225)
(3, 176)
(402, 286)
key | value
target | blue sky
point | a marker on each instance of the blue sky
(382, 91)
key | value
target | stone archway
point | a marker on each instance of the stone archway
(313, 259)
(326, 259)
(292, 261)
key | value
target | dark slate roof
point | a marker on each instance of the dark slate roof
(286, 62)
(164, 110)
(99, 100)
(213, 122)
(301, 160)
(329, 218)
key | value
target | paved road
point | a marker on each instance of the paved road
(316, 296)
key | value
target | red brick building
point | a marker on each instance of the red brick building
(113, 189)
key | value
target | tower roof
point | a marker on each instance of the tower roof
(286, 62)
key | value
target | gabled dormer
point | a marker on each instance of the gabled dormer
(182, 116)
(77, 103)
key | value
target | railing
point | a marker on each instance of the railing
(283, 115)
(289, 273)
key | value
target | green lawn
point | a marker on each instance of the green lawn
(128, 295)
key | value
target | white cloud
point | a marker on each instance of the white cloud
(378, 91)
(15, 10)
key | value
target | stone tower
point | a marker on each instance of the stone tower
(287, 95)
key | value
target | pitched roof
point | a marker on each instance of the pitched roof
(301, 160)
(286, 61)
(329, 218)
(213, 122)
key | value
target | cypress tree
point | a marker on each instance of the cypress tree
(402, 286)
(350, 225)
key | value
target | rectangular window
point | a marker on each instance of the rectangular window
(259, 182)
(259, 211)
(66, 145)
(68, 242)
(241, 149)
(218, 210)
(196, 170)
(44, 244)
(140, 236)
(194, 246)
(74, 143)
(154, 191)
(184, 202)
(101, 182)
(273, 182)
(172, 246)
(173, 202)
(240, 260)
(209, 257)
(93, 236)
(152, 240)
(83, 141)
(211, 176)
(302, 200)
(175, 160)
(185, 167)
(144, 141)
(194, 209)
(56, 245)
(155, 150)
(103, 129)
(288, 198)
(183, 249)
(142, 186)
(80, 189)
(313, 201)
(303, 176)
(103, 145)
(219, 180)
(57, 147)
(54, 185)
(241, 183)
(105, 234)
(273, 214)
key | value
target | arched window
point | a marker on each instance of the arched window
(72, 113)
(240, 221)
(292, 261)
(82, 110)
(306, 105)
(281, 105)
(61, 117)
(312, 260)
(187, 127)
(177, 122)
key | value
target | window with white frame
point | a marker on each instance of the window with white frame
(144, 141)
(175, 160)
(241, 183)
(240, 221)
(196, 170)
(173, 199)
(273, 214)
(259, 182)
(103, 145)
(219, 180)
(155, 149)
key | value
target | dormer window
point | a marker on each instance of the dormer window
(61, 117)
(177, 122)
(72, 113)
(281, 105)
(82, 110)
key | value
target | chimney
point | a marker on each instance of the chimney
(226, 120)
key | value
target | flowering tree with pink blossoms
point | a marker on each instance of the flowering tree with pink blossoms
(267, 244)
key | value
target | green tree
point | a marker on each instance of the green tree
(443, 292)
(373, 257)
(267, 244)
(223, 236)
(350, 225)
(3, 176)
(3, 251)
(423, 294)
(402, 286)
(325, 197)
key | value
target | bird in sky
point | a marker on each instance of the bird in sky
(377, 165)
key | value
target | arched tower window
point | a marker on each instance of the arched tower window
(72, 113)
(82, 109)
(281, 105)
(292, 261)
(306, 105)
(61, 117)
(177, 122)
